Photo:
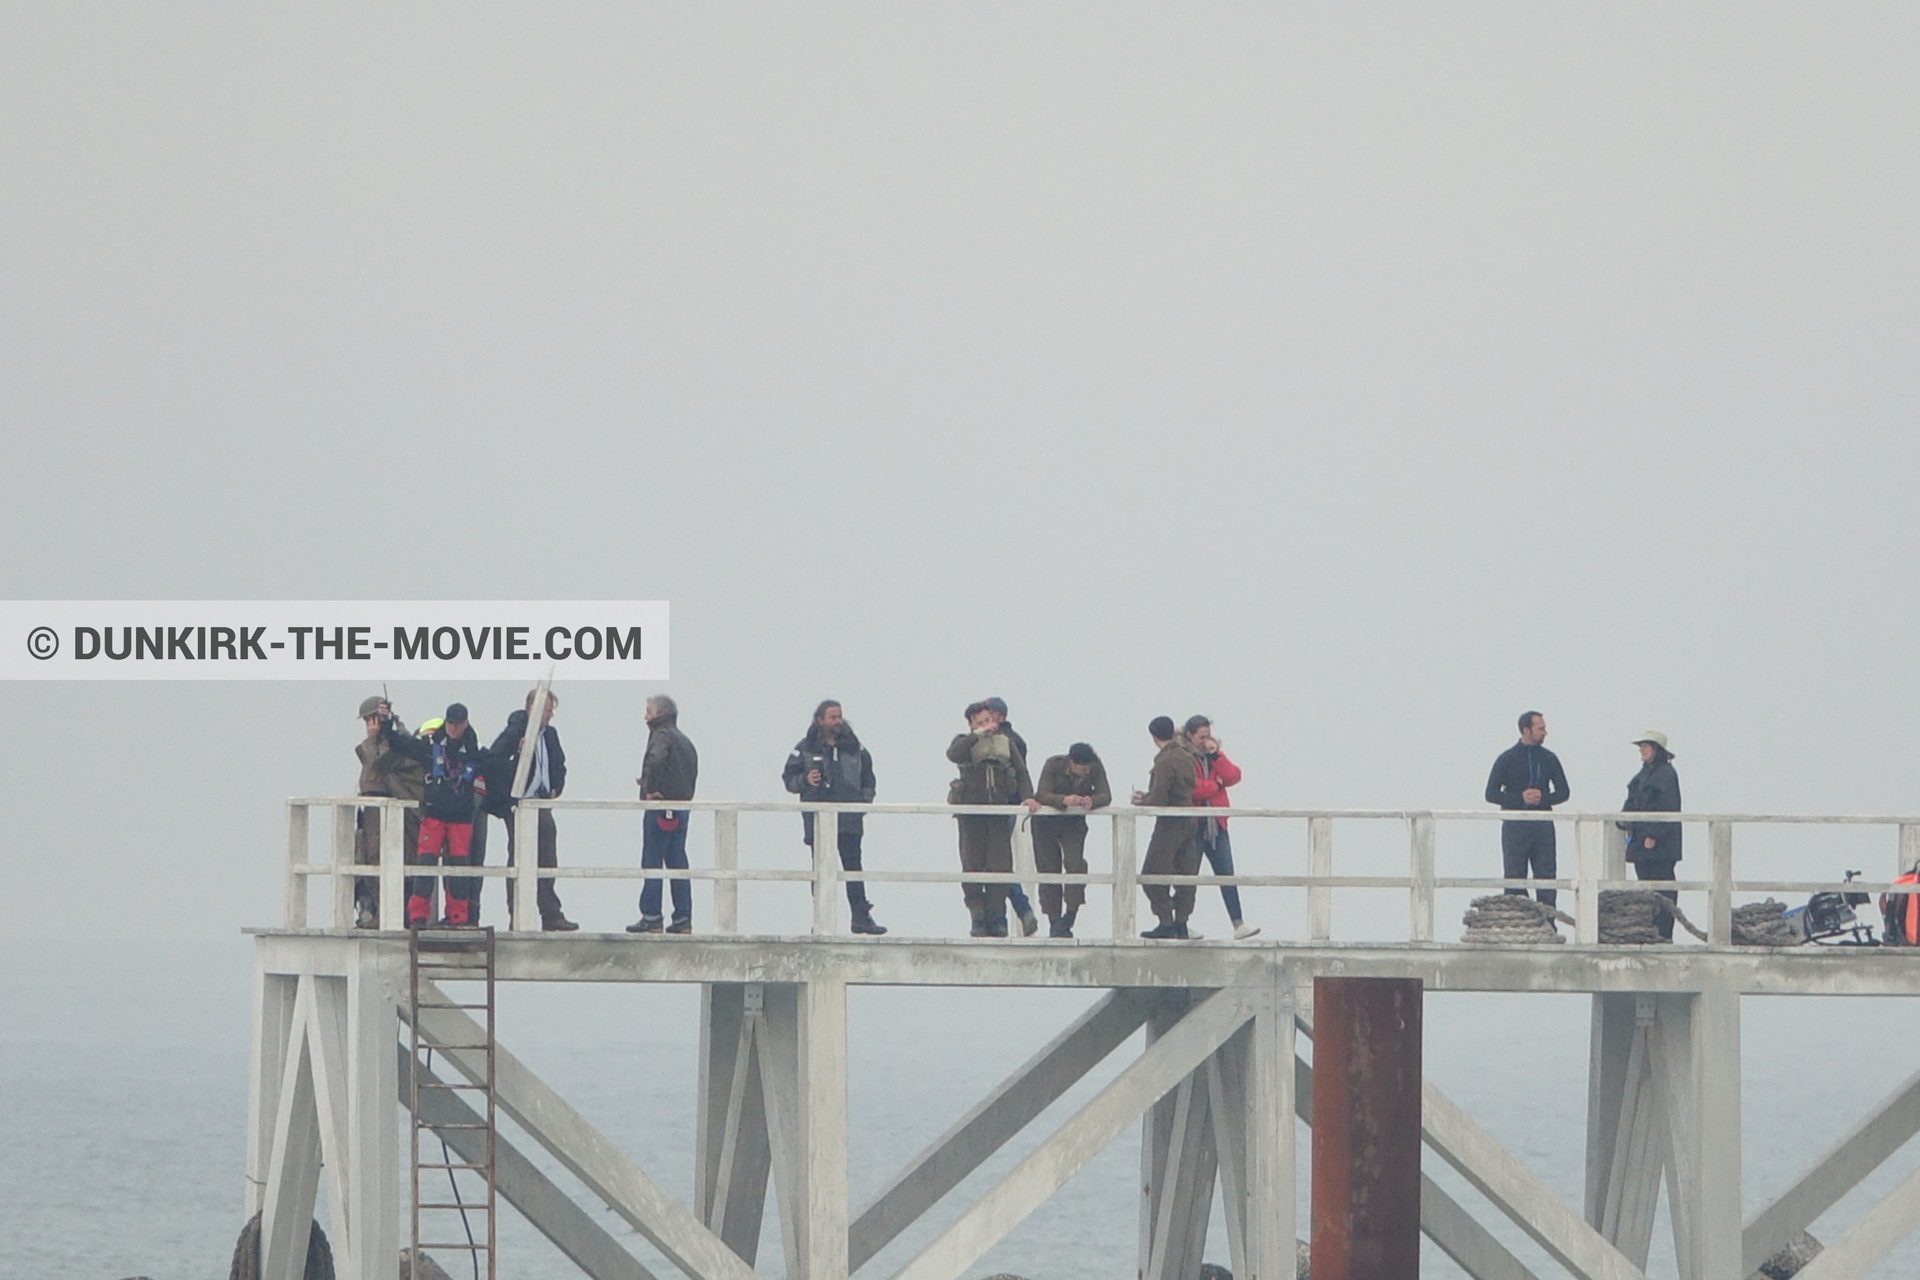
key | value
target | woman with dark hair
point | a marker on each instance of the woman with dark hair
(1654, 847)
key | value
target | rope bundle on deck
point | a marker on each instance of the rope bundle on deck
(1507, 919)
(1764, 924)
(1627, 917)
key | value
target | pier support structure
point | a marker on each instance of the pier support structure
(1214, 1088)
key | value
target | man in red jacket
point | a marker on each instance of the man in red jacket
(1213, 773)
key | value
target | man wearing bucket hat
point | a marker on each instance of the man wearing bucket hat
(1654, 847)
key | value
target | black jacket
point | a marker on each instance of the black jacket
(451, 766)
(1521, 767)
(672, 765)
(503, 760)
(846, 776)
(1655, 789)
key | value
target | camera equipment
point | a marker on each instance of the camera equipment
(1829, 919)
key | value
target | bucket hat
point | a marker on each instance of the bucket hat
(1655, 737)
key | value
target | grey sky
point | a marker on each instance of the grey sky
(1359, 376)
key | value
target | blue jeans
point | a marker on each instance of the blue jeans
(1219, 852)
(665, 849)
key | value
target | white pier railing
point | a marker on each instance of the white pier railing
(1597, 859)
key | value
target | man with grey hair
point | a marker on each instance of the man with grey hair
(669, 772)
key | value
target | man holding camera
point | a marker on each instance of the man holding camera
(454, 761)
(384, 771)
(830, 765)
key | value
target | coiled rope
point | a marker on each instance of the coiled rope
(1628, 917)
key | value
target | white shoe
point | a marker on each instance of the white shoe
(1241, 932)
(1193, 934)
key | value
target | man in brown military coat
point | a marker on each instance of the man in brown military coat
(1174, 848)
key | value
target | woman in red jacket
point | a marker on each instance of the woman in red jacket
(1213, 773)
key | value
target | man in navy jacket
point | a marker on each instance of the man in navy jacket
(1528, 776)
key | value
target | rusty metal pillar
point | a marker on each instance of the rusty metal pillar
(1366, 1128)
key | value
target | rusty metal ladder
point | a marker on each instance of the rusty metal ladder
(464, 958)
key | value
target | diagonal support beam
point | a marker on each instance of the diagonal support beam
(1447, 1223)
(1872, 1237)
(293, 1174)
(583, 1150)
(1838, 1171)
(1168, 1061)
(1037, 1085)
(327, 1059)
(551, 1211)
(1498, 1174)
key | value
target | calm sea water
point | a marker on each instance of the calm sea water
(123, 1073)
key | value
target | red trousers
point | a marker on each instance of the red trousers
(456, 838)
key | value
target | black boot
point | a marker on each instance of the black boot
(863, 921)
(1060, 927)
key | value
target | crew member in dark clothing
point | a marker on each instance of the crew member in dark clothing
(1654, 847)
(1074, 784)
(1017, 899)
(454, 761)
(546, 777)
(1528, 776)
(830, 765)
(1173, 849)
(671, 769)
(993, 770)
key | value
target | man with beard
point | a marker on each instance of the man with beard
(830, 765)
(1528, 776)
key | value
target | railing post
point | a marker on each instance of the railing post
(393, 864)
(344, 816)
(1909, 848)
(1319, 866)
(1589, 838)
(826, 870)
(296, 854)
(1720, 894)
(1124, 905)
(726, 857)
(1420, 897)
(526, 866)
